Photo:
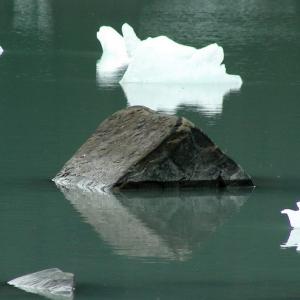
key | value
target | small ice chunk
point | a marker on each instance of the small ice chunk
(130, 38)
(114, 49)
(1, 50)
(293, 215)
(51, 283)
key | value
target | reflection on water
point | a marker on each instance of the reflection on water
(33, 16)
(206, 98)
(166, 225)
(293, 240)
(107, 74)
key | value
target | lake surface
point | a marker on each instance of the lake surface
(183, 244)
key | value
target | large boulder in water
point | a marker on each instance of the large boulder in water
(137, 146)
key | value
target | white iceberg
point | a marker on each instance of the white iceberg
(293, 240)
(207, 98)
(131, 40)
(161, 60)
(114, 54)
(117, 51)
(1, 50)
(114, 60)
(293, 215)
(51, 283)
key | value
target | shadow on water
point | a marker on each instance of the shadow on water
(163, 224)
(276, 182)
(169, 290)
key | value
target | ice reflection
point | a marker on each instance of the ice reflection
(33, 15)
(108, 74)
(207, 98)
(165, 225)
(293, 240)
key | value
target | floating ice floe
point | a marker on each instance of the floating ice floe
(161, 60)
(1, 50)
(117, 51)
(114, 54)
(131, 40)
(293, 215)
(293, 240)
(51, 283)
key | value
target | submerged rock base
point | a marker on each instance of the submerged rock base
(138, 147)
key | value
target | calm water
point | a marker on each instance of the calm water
(187, 244)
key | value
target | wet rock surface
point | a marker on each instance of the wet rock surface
(137, 147)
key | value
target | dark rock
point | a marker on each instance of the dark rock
(137, 147)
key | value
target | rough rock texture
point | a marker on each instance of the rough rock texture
(137, 146)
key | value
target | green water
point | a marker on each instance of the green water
(149, 245)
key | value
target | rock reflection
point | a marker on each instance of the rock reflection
(207, 98)
(293, 240)
(165, 225)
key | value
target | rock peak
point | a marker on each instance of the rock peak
(137, 147)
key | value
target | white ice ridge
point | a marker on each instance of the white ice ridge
(161, 60)
(1, 50)
(114, 50)
(293, 215)
(51, 283)
(131, 40)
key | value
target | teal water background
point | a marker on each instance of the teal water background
(51, 101)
